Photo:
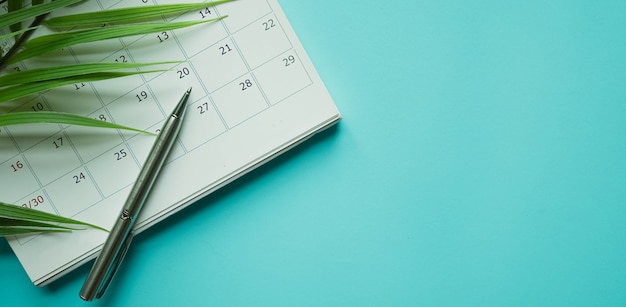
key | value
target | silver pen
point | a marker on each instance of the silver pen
(119, 238)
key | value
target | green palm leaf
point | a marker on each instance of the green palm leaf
(12, 6)
(20, 220)
(43, 44)
(20, 118)
(12, 34)
(25, 89)
(125, 15)
(19, 226)
(58, 72)
(33, 11)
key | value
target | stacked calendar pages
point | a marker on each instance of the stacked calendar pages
(255, 95)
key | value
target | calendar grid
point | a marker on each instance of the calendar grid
(242, 69)
(211, 101)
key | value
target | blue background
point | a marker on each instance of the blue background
(480, 161)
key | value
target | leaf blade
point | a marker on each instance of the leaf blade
(12, 34)
(14, 5)
(32, 216)
(47, 117)
(43, 44)
(33, 11)
(25, 89)
(19, 223)
(65, 71)
(125, 15)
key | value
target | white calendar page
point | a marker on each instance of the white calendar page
(255, 94)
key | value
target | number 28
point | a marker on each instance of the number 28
(245, 84)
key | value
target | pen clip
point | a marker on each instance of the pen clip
(117, 260)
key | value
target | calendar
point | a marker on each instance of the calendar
(255, 95)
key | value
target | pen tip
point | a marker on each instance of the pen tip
(189, 90)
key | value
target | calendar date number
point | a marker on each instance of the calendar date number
(34, 202)
(17, 166)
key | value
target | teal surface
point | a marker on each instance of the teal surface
(480, 162)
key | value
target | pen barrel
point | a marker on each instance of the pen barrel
(152, 166)
(119, 238)
(111, 255)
